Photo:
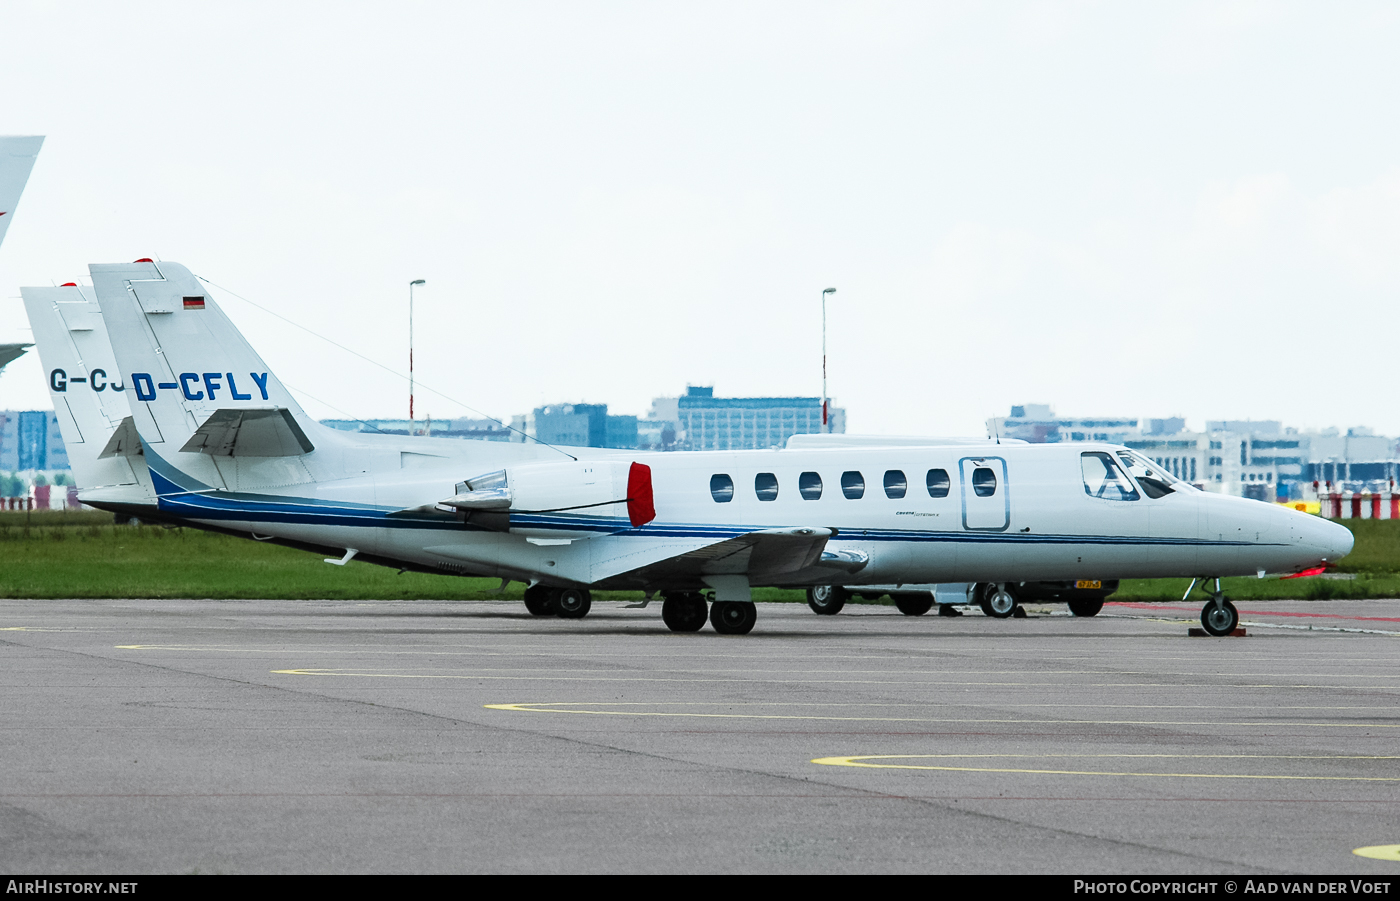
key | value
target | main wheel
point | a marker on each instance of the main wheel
(573, 603)
(733, 617)
(1219, 620)
(998, 601)
(683, 612)
(1084, 607)
(538, 602)
(913, 605)
(827, 599)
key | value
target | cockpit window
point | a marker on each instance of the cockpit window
(1103, 478)
(1155, 481)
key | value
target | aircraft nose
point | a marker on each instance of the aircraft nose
(1333, 540)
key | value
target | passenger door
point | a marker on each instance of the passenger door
(986, 502)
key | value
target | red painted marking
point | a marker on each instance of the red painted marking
(641, 508)
(1, 214)
(1315, 571)
(69, 285)
(145, 260)
(194, 303)
(1375, 619)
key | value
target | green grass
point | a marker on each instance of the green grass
(57, 554)
(54, 554)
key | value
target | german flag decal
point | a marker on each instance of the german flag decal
(194, 303)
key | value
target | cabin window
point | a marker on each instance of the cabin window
(765, 485)
(895, 483)
(984, 482)
(809, 485)
(1103, 478)
(853, 485)
(721, 488)
(938, 483)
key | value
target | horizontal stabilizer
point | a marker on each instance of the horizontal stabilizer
(125, 442)
(250, 432)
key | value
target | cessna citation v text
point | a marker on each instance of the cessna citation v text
(175, 417)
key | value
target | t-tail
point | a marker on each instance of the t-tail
(17, 155)
(199, 393)
(89, 399)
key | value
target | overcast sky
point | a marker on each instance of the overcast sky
(1115, 208)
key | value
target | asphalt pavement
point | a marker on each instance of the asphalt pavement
(175, 736)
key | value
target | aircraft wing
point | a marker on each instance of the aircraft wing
(756, 556)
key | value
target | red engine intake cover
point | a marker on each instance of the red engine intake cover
(641, 509)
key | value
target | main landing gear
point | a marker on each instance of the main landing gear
(568, 603)
(733, 617)
(684, 611)
(1219, 616)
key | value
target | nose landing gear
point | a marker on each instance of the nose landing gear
(1218, 617)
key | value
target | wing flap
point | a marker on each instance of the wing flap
(760, 555)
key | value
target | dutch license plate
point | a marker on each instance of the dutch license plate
(1088, 583)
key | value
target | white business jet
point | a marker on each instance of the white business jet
(228, 448)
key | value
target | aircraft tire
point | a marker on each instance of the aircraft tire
(573, 603)
(998, 601)
(1082, 607)
(827, 599)
(1219, 621)
(733, 617)
(684, 612)
(913, 605)
(538, 602)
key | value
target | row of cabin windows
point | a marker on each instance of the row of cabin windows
(809, 485)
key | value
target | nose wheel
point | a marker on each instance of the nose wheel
(1219, 616)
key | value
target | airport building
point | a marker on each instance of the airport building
(476, 429)
(706, 422)
(576, 425)
(30, 441)
(1260, 459)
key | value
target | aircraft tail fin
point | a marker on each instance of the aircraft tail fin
(89, 395)
(195, 385)
(17, 155)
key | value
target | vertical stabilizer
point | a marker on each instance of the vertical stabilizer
(89, 396)
(17, 155)
(205, 404)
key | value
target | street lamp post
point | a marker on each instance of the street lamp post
(411, 286)
(826, 426)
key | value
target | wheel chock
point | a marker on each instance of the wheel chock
(1196, 632)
